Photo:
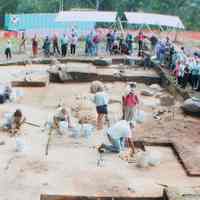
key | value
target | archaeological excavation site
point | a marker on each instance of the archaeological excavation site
(46, 160)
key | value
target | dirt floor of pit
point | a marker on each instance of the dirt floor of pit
(71, 167)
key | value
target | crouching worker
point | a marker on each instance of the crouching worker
(61, 115)
(117, 134)
(15, 122)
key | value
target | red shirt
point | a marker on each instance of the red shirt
(141, 37)
(131, 100)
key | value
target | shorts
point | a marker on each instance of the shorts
(102, 109)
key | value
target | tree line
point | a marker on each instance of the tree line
(187, 10)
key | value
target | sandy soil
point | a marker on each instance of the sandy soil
(71, 166)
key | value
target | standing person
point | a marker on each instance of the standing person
(181, 73)
(46, 46)
(186, 76)
(108, 41)
(64, 45)
(8, 51)
(35, 46)
(198, 65)
(101, 101)
(55, 45)
(117, 134)
(171, 56)
(140, 43)
(114, 36)
(129, 41)
(176, 71)
(162, 54)
(130, 103)
(73, 43)
(89, 44)
(154, 41)
(122, 44)
(194, 75)
(23, 42)
(167, 52)
(96, 41)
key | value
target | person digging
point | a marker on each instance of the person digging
(117, 135)
(61, 115)
(14, 124)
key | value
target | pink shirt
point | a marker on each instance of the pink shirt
(176, 70)
(131, 100)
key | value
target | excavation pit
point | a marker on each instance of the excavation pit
(71, 166)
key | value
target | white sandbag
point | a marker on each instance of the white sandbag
(16, 95)
(87, 130)
(19, 93)
(6, 120)
(13, 97)
(140, 116)
(21, 146)
(63, 127)
(142, 159)
(154, 158)
(75, 131)
(148, 158)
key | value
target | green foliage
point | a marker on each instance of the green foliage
(188, 10)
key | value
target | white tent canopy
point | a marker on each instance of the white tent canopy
(154, 19)
(86, 16)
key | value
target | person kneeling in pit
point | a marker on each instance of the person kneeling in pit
(15, 122)
(60, 116)
(117, 134)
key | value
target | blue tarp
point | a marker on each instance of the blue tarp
(43, 24)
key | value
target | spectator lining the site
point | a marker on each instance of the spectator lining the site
(89, 44)
(96, 41)
(8, 50)
(23, 43)
(35, 46)
(64, 45)
(129, 42)
(56, 49)
(108, 41)
(73, 43)
(46, 46)
(141, 38)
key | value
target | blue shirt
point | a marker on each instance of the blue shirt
(101, 99)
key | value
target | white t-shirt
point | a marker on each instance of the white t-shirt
(120, 130)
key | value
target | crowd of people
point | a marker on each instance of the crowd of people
(116, 43)
(184, 67)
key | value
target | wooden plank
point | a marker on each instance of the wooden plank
(29, 84)
(62, 197)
